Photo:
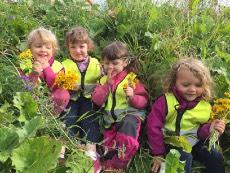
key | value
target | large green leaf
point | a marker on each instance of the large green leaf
(37, 155)
(8, 139)
(30, 128)
(179, 141)
(26, 104)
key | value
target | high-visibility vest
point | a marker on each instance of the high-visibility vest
(86, 80)
(117, 105)
(185, 123)
(26, 66)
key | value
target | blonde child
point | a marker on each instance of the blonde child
(88, 71)
(124, 99)
(43, 44)
(184, 111)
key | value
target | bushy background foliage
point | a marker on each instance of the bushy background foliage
(156, 35)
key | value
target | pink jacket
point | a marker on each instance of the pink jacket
(101, 92)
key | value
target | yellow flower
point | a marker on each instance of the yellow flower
(221, 108)
(25, 55)
(132, 81)
(66, 80)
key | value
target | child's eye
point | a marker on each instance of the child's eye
(48, 47)
(185, 85)
(38, 45)
(198, 85)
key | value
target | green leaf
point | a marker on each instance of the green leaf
(30, 128)
(221, 54)
(79, 162)
(6, 114)
(27, 106)
(8, 139)
(179, 141)
(37, 155)
(173, 163)
(4, 156)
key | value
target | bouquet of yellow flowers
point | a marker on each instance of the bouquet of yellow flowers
(66, 80)
(221, 111)
(26, 61)
(132, 81)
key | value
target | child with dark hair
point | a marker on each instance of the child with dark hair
(124, 99)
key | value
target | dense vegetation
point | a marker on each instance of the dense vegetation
(30, 138)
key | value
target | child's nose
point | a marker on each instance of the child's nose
(192, 88)
(77, 50)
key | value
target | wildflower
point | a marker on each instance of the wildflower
(220, 110)
(66, 80)
(25, 54)
(132, 81)
(26, 61)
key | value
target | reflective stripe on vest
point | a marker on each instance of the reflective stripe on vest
(86, 80)
(117, 106)
(191, 119)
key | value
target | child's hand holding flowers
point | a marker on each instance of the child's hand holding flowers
(129, 92)
(130, 86)
(220, 116)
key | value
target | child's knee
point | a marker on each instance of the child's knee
(61, 96)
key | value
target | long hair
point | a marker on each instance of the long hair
(197, 68)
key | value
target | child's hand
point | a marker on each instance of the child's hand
(218, 125)
(44, 62)
(37, 67)
(129, 92)
(157, 164)
(110, 76)
(76, 87)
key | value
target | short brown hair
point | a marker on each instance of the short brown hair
(78, 34)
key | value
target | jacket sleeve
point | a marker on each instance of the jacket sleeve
(49, 76)
(100, 94)
(155, 124)
(140, 98)
(203, 131)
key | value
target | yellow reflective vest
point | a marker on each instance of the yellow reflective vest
(86, 80)
(26, 66)
(186, 123)
(117, 105)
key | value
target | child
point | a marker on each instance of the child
(124, 99)
(42, 44)
(81, 119)
(183, 111)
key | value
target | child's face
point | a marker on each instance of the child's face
(115, 66)
(41, 50)
(189, 85)
(78, 51)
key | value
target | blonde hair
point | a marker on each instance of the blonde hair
(78, 34)
(197, 68)
(45, 35)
